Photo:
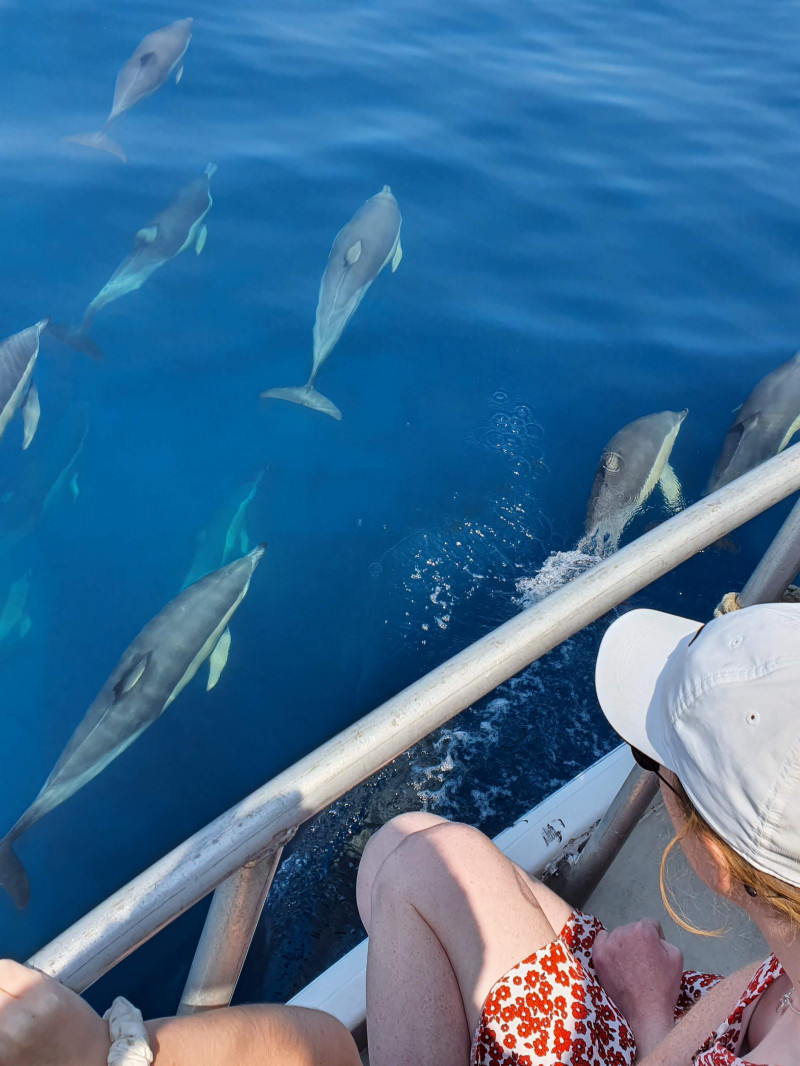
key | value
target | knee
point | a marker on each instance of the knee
(380, 846)
(428, 857)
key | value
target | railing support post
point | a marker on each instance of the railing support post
(227, 934)
(779, 565)
(576, 883)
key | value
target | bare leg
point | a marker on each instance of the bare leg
(253, 1036)
(448, 915)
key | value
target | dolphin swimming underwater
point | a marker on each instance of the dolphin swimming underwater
(49, 468)
(18, 355)
(634, 461)
(155, 58)
(14, 613)
(226, 534)
(179, 226)
(369, 241)
(762, 426)
(153, 670)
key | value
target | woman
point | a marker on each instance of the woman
(472, 961)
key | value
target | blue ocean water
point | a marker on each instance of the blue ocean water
(601, 219)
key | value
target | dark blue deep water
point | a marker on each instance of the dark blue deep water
(601, 219)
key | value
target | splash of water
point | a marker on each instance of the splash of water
(557, 569)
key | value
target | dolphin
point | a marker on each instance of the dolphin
(153, 670)
(49, 470)
(369, 241)
(762, 426)
(634, 461)
(179, 226)
(14, 614)
(18, 355)
(226, 536)
(155, 59)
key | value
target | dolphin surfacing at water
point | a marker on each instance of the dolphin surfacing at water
(634, 461)
(179, 226)
(18, 355)
(368, 243)
(155, 59)
(763, 426)
(154, 669)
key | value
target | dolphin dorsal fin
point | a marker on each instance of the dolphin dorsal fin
(145, 58)
(131, 677)
(147, 234)
(353, 253)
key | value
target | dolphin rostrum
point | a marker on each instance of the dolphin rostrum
(369, 241)
(762, 426)
(153, 670)
(158, 55)
(18, 356)
(634, 461)
(226, 536)
(179, 226)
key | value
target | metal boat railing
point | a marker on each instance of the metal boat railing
(236, 855)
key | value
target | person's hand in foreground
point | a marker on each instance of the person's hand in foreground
(42, 1023)
(641, 971)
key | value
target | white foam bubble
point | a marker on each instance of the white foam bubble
(557, 569)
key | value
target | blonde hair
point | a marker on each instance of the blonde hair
(782, 897)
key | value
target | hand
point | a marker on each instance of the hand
(44, 1024)
(641, 972)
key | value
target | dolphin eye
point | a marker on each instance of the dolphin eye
(612, 462)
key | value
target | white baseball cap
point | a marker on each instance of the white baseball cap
(719, 705)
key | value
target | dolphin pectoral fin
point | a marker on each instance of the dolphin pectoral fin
(244, 542)
(147, 234)
(306, 396)
(30, 416)
(132, 676)
(179, 74)
(219, 657)
(671, 488)
(24, 626)
(398, 255)
(101, 141)
(201, 239)
(73, 487)
(13, 877)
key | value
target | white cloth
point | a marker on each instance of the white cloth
(129, 1046)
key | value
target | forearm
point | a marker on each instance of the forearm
(252, 1036)
(677, 1048)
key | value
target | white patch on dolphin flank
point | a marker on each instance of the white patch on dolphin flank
(219, 657)
(790, 432)
(30, 416)
(671, 488)
(201, 239)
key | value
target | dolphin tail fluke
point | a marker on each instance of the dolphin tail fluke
(307, 396)
(76, 338)
(13, 877)
(98, 140)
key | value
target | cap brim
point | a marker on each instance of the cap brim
(632, 655)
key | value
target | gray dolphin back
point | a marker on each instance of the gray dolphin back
(763, 425)
(151, 673)
(18, 355)
(152, 62)
(359, 252)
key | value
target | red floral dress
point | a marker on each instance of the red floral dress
(550, 1008)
